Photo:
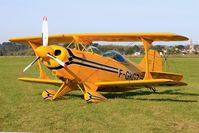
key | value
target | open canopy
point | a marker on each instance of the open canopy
(111, 37)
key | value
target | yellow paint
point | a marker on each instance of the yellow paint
(135, 82)
(112, 37)
(48, 94)
(42, 51)
(155, 61)
(147, 45)
(95, 72)
(62, 90)
(45, 81)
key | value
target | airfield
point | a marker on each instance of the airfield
(172, 109)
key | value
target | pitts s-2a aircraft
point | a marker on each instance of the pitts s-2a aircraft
(76, 67)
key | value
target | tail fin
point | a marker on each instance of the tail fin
(155, 61)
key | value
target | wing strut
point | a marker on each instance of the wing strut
(147, 44)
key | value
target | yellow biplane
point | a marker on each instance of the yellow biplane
(76, 67)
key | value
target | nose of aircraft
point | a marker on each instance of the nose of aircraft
(42, 51)
(45, 52)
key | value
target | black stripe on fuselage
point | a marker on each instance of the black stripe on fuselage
(85, 60)
(86, 65)
(91, 66)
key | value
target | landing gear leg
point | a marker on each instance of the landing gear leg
(91, 96)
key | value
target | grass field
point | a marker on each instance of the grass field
(174, 109)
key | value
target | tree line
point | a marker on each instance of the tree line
(13, 49)
(9, 49)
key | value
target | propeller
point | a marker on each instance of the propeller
(44, 41)
(32, 63)
(42, 51)
(45, 31)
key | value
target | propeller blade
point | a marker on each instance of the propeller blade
(32, 63)
(57, 60)
(45, 31)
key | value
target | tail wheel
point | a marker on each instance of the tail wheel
(48, 94)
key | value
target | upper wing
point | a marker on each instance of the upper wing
(111, 37)
(152, 82)
(44, 81)
(53, 39)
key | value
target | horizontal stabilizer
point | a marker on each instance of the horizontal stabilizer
(167, 75)
(44, 81)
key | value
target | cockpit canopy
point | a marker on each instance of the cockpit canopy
(115, 55)
(93, 49)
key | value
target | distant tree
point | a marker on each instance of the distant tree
(130, 51)
(136, 48)
(171, 50)
(9, 48)
(159, 48)
(180, 47)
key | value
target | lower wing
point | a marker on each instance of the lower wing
(44, 81)
(135, 83)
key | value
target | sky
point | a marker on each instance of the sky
(19, 18)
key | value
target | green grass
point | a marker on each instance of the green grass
(174, 109)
